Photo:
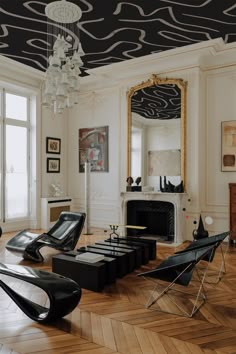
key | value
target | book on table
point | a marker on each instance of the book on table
(89, 257)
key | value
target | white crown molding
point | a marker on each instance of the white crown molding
(13, 70)
(205, 54)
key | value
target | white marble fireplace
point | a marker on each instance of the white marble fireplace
(178, 200)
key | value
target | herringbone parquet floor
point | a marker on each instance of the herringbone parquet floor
(116, 321)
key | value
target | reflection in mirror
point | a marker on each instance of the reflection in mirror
(156, 132)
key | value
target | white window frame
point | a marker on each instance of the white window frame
(32, 188)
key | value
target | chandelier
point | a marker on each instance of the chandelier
(61, 86)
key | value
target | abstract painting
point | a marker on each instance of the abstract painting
(93, 148)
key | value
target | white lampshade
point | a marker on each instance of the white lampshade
(80, 50)
(61, 92)
(76, 86)
(55, 61)
(49, 90)
(64, 79)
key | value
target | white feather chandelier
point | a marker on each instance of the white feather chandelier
(62, 83)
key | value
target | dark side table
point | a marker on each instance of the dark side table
(91, 276)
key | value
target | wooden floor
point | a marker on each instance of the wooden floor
(116, 321)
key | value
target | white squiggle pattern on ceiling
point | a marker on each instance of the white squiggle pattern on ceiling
(115, 31)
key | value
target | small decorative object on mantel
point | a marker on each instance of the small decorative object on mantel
(171, 188)
(137, 188)
(129, 181)
(200, 232)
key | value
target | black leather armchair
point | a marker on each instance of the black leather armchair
(64, 294)
(63, 236)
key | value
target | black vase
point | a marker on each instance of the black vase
(200, 232)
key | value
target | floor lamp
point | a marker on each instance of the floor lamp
(87, 169)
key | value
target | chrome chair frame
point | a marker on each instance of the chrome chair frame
(178, 270)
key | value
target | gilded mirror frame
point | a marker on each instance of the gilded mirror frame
(155, 80)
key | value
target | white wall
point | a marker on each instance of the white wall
(97, 108)
(54, 126)
(209, 70)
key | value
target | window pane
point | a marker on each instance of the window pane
(16, 107)
(136, 150)
(16, 172)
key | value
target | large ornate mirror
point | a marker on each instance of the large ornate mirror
(156, 131)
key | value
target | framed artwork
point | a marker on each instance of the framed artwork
(228, 146)
(53, 145)
(53, 165)
(93, 148)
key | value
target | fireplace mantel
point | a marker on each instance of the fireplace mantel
(177, 199)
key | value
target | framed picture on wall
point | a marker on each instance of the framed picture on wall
(53, 165)
(93, 148)
(228, 146)
(53, 145)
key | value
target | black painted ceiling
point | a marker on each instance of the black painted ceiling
(157, 102)
(114, 30)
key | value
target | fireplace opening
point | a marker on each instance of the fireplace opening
(157, 216)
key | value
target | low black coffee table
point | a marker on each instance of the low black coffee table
(91, 276)
(137, 250)
(130, 254)
(110, 264)
(143, 247)
(121, 258)
(152, 244)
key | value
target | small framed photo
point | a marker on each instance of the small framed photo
(53, 145)
(53, 165)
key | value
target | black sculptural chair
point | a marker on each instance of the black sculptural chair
(64, 294)
(63, 236)
(216, 241)
(178, 270)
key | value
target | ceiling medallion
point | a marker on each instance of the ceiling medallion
(63, 11)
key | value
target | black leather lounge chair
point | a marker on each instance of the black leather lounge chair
(178, 270)
(216, 241)
(63, 236)
(64, 294)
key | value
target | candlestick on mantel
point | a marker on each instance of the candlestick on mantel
(87, 169)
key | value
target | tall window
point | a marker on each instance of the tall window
(136, 151)
(14, 155)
